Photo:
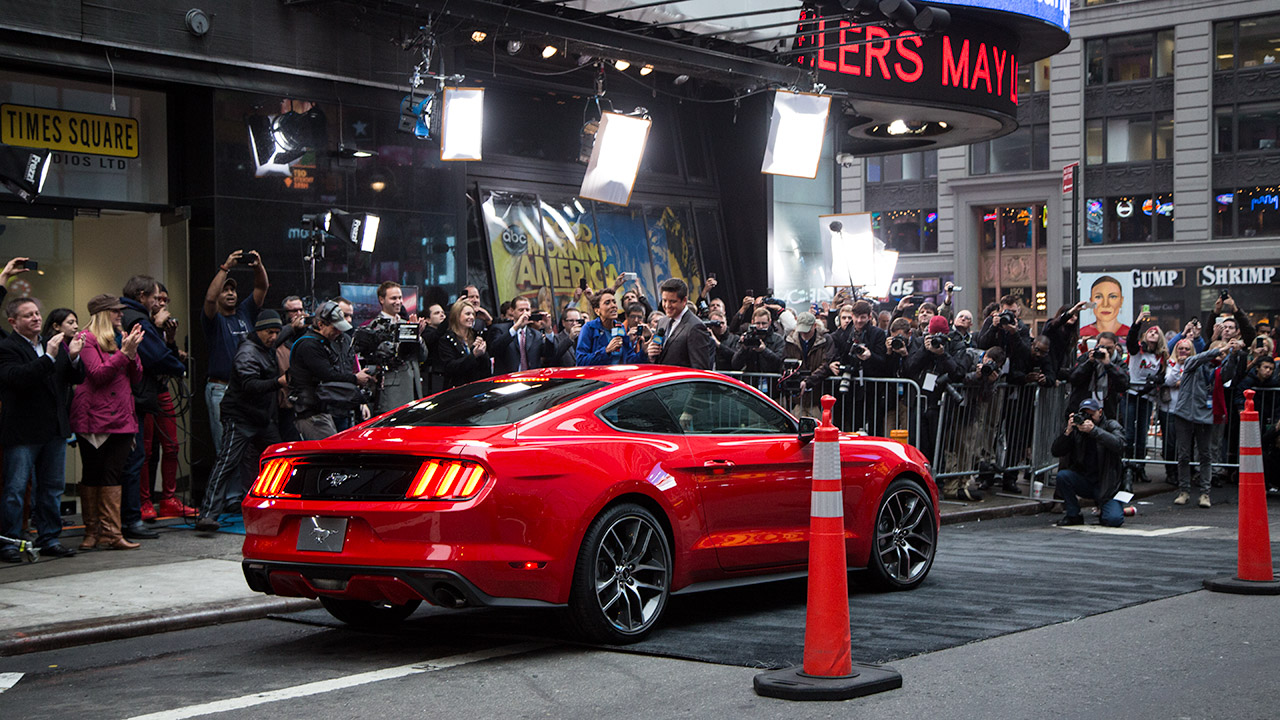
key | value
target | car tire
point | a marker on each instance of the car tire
(369, 615)
(904, 538)
(622, 579)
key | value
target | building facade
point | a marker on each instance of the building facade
(1170, 108)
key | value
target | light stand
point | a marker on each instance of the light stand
(313, 225)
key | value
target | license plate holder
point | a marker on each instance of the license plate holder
(322, 534)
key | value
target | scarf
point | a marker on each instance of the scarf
(1219, 398)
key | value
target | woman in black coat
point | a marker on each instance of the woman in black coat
(461, 355)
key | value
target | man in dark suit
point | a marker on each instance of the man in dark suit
(521, 344)
(681, 338)
(34, 425)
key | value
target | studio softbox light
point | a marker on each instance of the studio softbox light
(615, 158)
(23, 170)
(796, 131)
(462, 128)
(360, 229)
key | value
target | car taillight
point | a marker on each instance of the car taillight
(446, 480)
(273, 478)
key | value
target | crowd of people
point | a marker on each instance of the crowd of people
(106, 386)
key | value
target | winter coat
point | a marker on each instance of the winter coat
(252, 394)
(103, 403)
(1095, 455)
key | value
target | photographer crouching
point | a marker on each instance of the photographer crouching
(1088, 453)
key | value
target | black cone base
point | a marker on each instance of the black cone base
(792, 684)
(1243, 587)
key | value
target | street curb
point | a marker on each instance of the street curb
(57, 636)
(1034, 507)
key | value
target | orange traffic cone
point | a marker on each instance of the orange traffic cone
(828, 672)
(1253, 556)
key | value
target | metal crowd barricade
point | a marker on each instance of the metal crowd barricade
(1050, 420)
(996, 432)
(876, 406)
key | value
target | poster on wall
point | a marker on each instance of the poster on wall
(672, 247)
(1111, 303)
(625, 247)
(516, 247)
(572, 253)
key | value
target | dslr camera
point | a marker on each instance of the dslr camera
(897, 342)
(1008, 317)
(936, 340)
(754, 337)
(791, 377)
(1079, 417)
(1098, 354)
(850, 365)
(988, 368)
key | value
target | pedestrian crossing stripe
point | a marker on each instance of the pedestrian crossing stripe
(1158, 532)
(8, 680)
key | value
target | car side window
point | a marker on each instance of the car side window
(643, 412)
(711, 408)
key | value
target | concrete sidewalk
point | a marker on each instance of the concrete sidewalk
(188, 579)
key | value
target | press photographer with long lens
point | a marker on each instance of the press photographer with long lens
(1088, 452)
(760, 349)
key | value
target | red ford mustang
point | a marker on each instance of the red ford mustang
(603, 489)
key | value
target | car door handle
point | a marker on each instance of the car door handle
(718, 464)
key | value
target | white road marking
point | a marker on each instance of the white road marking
(340, 683)
(1138, 533)
(8, 680)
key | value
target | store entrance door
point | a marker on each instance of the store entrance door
(1012, 258)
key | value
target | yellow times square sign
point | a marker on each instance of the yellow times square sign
(76, 132)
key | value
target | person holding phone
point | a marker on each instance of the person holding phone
(14, 267)
(521, 344)
(226, 321)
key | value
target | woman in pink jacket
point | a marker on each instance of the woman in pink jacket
(103, 419)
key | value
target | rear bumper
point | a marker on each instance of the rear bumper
(444, 588)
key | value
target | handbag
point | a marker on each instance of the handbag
(336, 396)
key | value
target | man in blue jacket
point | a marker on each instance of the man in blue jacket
(604, 341)
(161, 360)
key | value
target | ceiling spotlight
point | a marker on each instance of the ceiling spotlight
(914, 128)
(680, 79)
(898, 127)
(479, 36)
(622, 65)
(514, 46)
(901, 12)
(646, 69)
(548, 51)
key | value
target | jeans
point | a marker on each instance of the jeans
(131, 481)
(239, 439)
(46, 464)
(213, 393)
(1199, 433)
(1072, 486)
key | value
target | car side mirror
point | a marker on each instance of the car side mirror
(808, 426)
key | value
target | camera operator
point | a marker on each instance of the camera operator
(936, 371)
(1088, 452)
(567, 339)
(1096, 376)
(249, 413)
(1002, 328)
(322, 384)
(858, 345)
(727, 343)
(760, 349)
(521, 344)
(400, 369)
(226, 321)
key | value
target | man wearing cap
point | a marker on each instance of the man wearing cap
(226, 323)
(35, 377)
(1088, 452)
(320, 381)
(249, 411)
(811, 348)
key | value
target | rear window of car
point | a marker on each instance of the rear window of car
(489, 403)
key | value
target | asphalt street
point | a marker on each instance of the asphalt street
(1190, 653)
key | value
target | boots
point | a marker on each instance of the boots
(110, 538)
(89, 513)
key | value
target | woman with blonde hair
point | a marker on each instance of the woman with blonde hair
(1177, 363)
(462, 355)
(103, 419)
(1148, 360)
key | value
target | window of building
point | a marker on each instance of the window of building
(1025, 149)
(1124, 219)
(1247, 43)
(1247, 128)
(1129, 58)
(907, 231)
(903, 166)
(1033, 78)
(1141, 138)
(1246, 212)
